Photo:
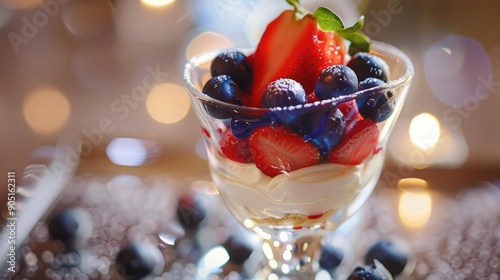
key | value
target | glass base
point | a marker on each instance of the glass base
(295, 257)
(303, 261)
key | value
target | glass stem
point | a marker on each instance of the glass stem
(294, 258)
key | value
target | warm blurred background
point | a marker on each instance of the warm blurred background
(110, 71)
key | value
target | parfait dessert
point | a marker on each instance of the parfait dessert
(295, 129)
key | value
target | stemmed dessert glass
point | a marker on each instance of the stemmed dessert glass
(292, 211)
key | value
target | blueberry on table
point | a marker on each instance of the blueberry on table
(367, 65)
(235, 65)
(377, 106)
(138, 260)
(373, 271)
(391, 255)
(238, 250)
(72, 226)
(190, 210)
(335, 81)
(330, 257)
(224, 89)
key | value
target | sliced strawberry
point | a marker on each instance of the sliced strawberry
(295, 49)
(357, 144)
(235, 149)
(350, 111)
(277, 150)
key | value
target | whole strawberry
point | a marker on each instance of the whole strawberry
(317, 41)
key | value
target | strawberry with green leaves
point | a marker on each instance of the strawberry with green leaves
(298, 45)
(300, 59)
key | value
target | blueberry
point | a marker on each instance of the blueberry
(367, 65)
(335, 81)
(377, 106)
(190, 210)
(223, 89)
(282, 94)
(235, 65)
(392, 256)
(323, 126)
(237, 250)
(72, 226)
(374, 271)
(138, 260)
(330, 257)
(242, 128)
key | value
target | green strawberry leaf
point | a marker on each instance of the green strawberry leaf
(359, 42)
(357, 26)
(328, 20)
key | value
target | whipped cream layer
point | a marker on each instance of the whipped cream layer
(308, 191)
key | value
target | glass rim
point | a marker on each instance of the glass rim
(376, 47)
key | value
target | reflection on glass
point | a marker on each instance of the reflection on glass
(205, 187)
(217, 257)
(212, 262)
(415, 202)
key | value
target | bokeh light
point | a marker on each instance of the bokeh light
(168, 103)
(136, 21)
(132, 151)
(425, 131)
(46, 110)
(423, 141)
(453, 68)
(157, 3)
(415, 202)
(206, 41)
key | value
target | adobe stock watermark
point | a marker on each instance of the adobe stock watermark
(31, 26)
(485, 88)
(414, 159)
(121, 108)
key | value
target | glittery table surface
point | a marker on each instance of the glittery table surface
(457, 237)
